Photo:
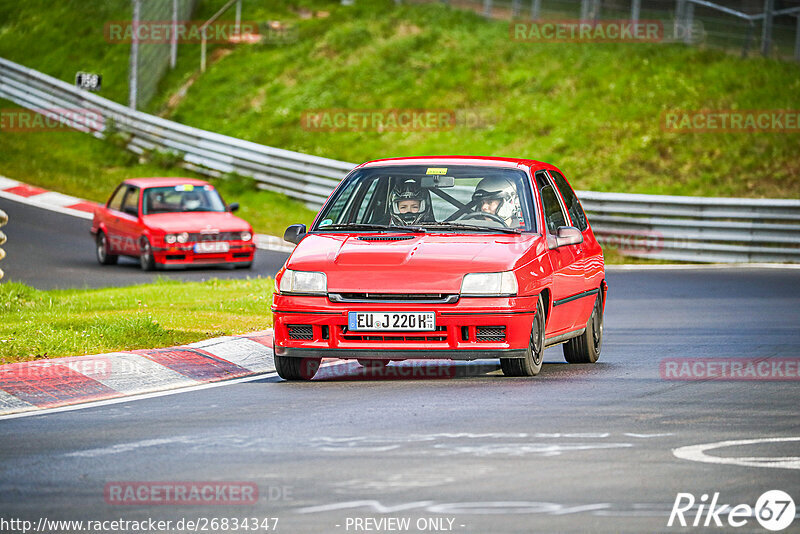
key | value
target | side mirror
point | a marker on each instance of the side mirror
(233, 207)
(294, 233)
(568, 235)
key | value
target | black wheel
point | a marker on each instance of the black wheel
(146, 259)
(296, 368)
(586, 347)
(102, 248)
(374, 364)
(531, 364)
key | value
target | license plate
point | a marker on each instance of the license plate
(212, 246)
(397, 321)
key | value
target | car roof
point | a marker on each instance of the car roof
(458, 160)
(163, 182)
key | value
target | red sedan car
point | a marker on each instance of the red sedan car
(168, 222)
(442, 257)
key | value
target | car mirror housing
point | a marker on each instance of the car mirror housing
(233, 206)
(295, 233)
(567, 235)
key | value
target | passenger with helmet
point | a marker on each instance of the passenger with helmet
(498, 197)
(410, 204)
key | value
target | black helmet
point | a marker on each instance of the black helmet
(410, 190)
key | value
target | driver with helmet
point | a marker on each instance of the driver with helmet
(497, 196)
(410, 204)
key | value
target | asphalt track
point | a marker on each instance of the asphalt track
(51, 250)
(580, 448)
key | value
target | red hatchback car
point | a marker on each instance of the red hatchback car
(442, 257)
(168, 222)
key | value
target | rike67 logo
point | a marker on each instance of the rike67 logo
(774, 510)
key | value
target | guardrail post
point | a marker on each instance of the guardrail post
(797, 41)
(766, 29)
(515, 8)
(238, 26)
(3, 221)
(536, 9)
(203, 49)
(487, 8)
(133, 69)
(688, 20)
(173, 41)
(636, 8)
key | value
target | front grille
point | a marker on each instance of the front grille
(490, 333)
(300, 331)
(440, 334)
(198, 237)
(426, 298)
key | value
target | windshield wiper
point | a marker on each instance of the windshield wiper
(460, 226)
(368, 226)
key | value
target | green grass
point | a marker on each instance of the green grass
(47, 324)
(593, 109)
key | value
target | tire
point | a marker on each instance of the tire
(146, 259)
(296, 368)
(586, 347)
(374, 364)
(531, 364)
(101, 250)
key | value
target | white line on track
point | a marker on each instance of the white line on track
(108, 402)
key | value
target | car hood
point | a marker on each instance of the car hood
(195, 222)
(425, 263)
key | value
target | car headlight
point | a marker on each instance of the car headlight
(183, 237)
(489, 284)
(170, 238)
(308, 282)
(246, 236)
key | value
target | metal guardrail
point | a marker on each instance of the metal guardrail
(652, 226)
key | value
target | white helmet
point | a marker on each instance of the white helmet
(410, 190)
(501, 189)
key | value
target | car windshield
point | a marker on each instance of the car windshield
(472, 198)
(181, 198)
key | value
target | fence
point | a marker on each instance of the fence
(149, 60)
(673, 228)
(771, 26)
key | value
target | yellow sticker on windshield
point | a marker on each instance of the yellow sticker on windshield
(437, 170)
(184, 188)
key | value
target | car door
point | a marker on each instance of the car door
(128, 222)
(578, 220)
(111, 220)
(568, 279)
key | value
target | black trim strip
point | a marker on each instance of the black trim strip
(421, 354)
(489, 313)
(575, 297)
(561, 338)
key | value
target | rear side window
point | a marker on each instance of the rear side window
(131, 203)
(553, 215)
(116, 199)
(574, 207)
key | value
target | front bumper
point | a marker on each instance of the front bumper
(177, 255)
(459, 335)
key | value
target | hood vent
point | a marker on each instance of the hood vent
(385, 237)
